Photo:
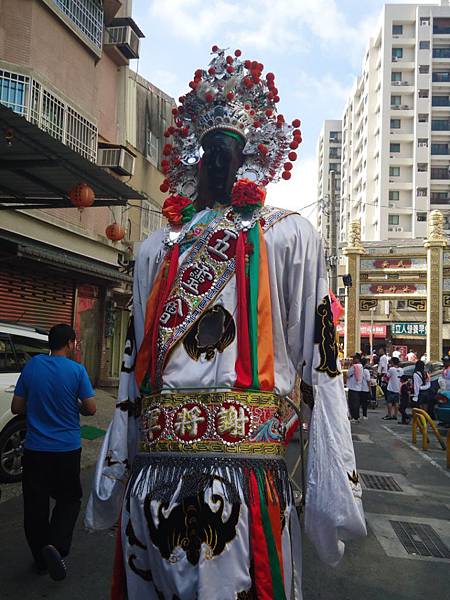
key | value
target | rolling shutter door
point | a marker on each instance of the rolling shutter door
(35, 298)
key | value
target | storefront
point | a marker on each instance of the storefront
(407, 336)
(379, 332)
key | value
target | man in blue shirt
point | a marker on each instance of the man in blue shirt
(51, 391)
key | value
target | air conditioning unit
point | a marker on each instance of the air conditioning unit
(398, 229)
(117, 158)
(124, 38)
(396, 83)
(394, 59)
(391, 205)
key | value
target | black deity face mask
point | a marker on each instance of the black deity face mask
(220, 163)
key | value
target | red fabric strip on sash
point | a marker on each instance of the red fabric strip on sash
(260, 556)
(243, 361)
(118, 585)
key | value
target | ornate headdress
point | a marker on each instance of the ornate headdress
(230, 95)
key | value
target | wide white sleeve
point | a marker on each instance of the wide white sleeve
(121, 441)
(333, 512)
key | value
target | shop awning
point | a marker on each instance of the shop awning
(38, 171)
(16, 248)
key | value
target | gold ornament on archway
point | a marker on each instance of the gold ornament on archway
(115, 232)
(82, 196)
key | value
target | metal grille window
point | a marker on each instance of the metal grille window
(14, 91)
(87, 15)
(41, 107)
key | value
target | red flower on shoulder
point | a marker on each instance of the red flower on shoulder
(178, 210)
(247, 195)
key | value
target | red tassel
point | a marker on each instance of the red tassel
(118, 586)
(243, 362)
(260, 555)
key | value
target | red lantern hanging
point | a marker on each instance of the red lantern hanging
(115, 232)
(82, 196)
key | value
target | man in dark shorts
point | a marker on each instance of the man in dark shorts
(51, 391)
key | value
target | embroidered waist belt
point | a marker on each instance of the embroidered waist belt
(241, 422)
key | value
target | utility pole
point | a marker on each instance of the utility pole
(333, 237)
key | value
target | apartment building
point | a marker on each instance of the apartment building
(329, 148)
(63, 67)
(396, 127)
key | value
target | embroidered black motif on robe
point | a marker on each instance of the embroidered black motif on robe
(215, 330)
(192, 523)
(325, 337)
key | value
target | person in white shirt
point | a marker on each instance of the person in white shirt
(354, 384)
(411, 356)
(422, 385)
(396, 354)
(365, 395)
(393, 389)
(382, 372)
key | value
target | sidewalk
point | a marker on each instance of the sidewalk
(106, 401)
(378, 567)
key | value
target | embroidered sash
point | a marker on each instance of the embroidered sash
(207, 268)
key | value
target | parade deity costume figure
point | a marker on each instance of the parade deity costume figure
(230, 305)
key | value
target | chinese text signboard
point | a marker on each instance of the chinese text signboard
(409, 329)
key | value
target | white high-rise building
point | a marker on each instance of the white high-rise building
(396, 126)
(328, 159)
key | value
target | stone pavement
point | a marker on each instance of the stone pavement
(378, 567)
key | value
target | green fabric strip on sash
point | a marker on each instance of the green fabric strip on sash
(253, 238)
(275, 568)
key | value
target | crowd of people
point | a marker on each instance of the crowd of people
(380, 377)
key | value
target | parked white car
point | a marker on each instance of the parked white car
(18, 343)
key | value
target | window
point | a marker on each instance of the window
(393, 219)
(440, 124)
(87, 16)
(424, 93)
(394, 171)
(441, 25)
(335, 153)
(394, 147)
(439, 197)
(443, 52)
(396, 76)
(441, 76)
(439, 100)
(394, 195)
(26, 348)
(13, 91)
(439, 149)
(422, 167)
(422, 142)
(396, 123)
(152, 147)
(423, 118)
(7, 358)
(397, 53)
(422, 192)
(397, 29)
(440, 173)
(424, 45)
(421, 217)
(424, 69)
(396, 100)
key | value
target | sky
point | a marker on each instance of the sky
(314, 47)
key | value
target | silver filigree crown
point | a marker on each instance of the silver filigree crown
(230, 94)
